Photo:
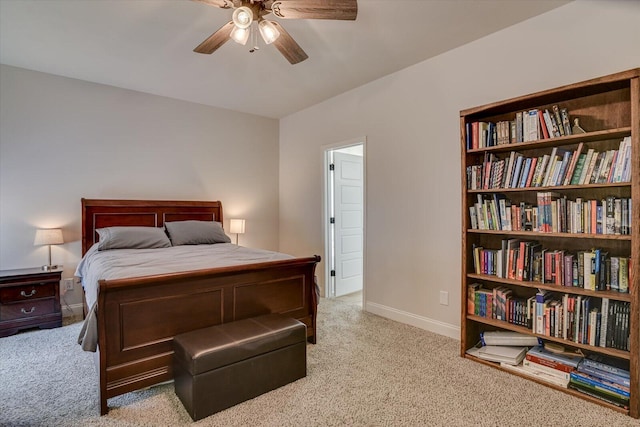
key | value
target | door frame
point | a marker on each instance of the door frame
(326, 202)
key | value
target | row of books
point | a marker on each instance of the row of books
(560, 167)
(599, 322)
(554, 213)
(523, 260)
(603, 380)
(584, 320)
(529, 125)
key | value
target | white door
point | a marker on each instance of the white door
(348, 214)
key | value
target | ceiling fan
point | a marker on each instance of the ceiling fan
(248, 19)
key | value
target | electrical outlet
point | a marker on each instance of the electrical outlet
(444, 298)
(68, 284)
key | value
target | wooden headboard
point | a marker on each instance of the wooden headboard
(99, 213)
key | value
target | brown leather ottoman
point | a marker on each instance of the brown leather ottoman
(223, 365)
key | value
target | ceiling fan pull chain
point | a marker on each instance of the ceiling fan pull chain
(254, 37)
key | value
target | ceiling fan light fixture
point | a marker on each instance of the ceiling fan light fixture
(242, 17)
(240, 35)
(268, 31)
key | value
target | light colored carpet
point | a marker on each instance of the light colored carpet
(364, 371)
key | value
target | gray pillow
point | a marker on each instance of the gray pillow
(195, 233)
(132, 238)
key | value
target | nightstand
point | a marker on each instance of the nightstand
(29, 298)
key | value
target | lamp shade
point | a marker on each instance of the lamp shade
(268, 31)
(236, 226)
(242, 17)
(48, 236)
(240, 35)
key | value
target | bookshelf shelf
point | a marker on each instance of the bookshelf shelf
(552, 188)
(538, 235)
(558, 141)
(605, 192)
(554, 288)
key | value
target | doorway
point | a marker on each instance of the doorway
(344, 214)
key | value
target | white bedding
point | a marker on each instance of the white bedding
(122, 263)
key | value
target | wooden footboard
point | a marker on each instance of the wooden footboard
(138, 318)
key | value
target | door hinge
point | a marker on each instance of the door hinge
(333, 273)
(332, 167)
(332, 220)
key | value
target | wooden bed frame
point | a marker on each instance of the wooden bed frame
(138, 317)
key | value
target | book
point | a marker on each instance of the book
(548, 123)
(532, 171)
(507, 338)
(556, 116)
(592, 391)
(543, 354)
(542, 297)
(604, 323)
(566, 124)
(543, 125)
(516, 171)
(554, 124)
(502, 354)
(530, 365)
(539, 375)
(550, 167)
(532, 125)
(562, 170)
(577, 172)
(623, 275)
(604, 375)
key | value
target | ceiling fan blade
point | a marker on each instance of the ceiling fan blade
(316, 9)
(215, 40)
(288, 46)
(224, 4)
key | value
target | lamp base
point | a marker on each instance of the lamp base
(49, 267)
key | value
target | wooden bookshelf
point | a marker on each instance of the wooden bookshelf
(608, 109)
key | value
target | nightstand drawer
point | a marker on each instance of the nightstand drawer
(28, 292)
(26, 309)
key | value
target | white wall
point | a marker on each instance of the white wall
(411, 120)
(63, 139)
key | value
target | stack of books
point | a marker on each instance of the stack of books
(547, 366)
(502, 347)
(599, 377)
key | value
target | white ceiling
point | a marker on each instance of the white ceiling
(147, 45)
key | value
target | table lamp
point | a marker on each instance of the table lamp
(48, 236)
(236, 226)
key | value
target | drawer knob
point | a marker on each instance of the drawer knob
(28, 312)
(32, 293)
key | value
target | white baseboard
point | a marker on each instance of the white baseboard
(72, 310)
(435, 326)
